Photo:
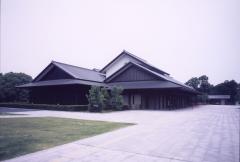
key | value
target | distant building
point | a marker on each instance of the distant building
(218, 99)
(145, 86)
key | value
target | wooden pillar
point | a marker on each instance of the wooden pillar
(174, 102)
(163, 102)
(178, 101)
(184, 101)
(160, 101)
(181, 102)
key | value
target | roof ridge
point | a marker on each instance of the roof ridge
(135, 57)
(129, 53)
(76, 66)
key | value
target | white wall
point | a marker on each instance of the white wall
(120, 62)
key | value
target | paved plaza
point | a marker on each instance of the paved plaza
(199, 134)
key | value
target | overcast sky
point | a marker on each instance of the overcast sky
(185, 38)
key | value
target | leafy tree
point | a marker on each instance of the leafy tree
(200, 83)
(204, 86)
(237, 97)
(116, 98)
(8, 90)
(193, 82)
(227, 88)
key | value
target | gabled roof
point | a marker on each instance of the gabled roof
(141, 61)
(124, 68)
(160, 76)
(75, 71)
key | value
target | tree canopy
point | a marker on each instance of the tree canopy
(202, 84)
(227, 88)
(193, 82)
(237, 97)
(8, 90)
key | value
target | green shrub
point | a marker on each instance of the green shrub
(107, 99)
(116, 98)
(95, 99)
(100, 99)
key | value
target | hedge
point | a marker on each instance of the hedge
(46, 106)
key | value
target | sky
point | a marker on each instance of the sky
(186, 38)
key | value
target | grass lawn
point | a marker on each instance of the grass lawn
(19, 136)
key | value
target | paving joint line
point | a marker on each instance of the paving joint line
(156, 156)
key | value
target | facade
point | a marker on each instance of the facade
(145, 86)
(218, 99)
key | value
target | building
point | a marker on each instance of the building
(218, 99)
(145, 86)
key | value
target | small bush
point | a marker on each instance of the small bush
(116, 98)
(95, 99)
(100, 99)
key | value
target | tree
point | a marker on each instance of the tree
(193, 82)
(227, 88)
(200, 83)
(204, 86)
(8, 90)
(116, 98)
(237, 97)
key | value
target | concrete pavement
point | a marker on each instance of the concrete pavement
(202, 134)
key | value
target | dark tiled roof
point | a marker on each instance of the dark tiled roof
(61, 82)
(81, 73)
(145, 85)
